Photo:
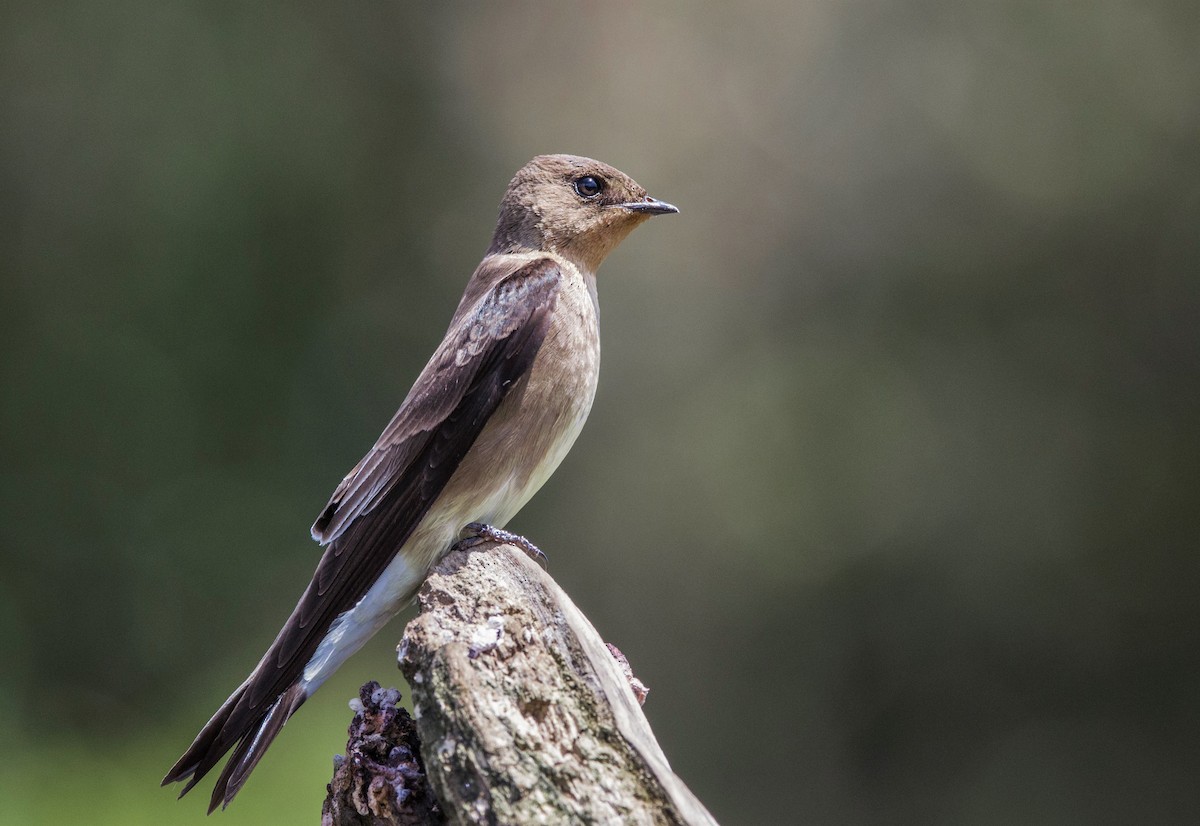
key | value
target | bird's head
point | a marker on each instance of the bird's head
(576, 207)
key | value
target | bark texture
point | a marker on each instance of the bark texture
(523, 713)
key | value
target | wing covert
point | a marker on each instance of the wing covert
(520, 300)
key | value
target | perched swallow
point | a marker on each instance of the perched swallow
(486, 423)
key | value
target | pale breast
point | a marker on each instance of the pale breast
(534, 427)
(562, 383)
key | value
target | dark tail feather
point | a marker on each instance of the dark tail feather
(206, 749)
(254, 745)
(252, 735)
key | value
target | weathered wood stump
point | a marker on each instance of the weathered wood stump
(523, 714)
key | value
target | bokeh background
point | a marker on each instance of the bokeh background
(890, 489)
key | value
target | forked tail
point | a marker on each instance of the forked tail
(236, 725)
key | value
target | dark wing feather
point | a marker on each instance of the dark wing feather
(380, 503)
(511, 305)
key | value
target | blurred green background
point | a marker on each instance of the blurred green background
(890, 489)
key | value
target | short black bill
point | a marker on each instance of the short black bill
(653, 206)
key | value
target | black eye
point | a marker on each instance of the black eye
(589, 187)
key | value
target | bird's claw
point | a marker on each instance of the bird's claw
(479, 532)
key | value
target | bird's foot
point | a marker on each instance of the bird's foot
(479, 532)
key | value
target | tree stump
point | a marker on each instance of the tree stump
(523, 714)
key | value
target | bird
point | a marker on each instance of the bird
(489, 418)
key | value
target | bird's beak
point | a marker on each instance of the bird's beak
(650, 206)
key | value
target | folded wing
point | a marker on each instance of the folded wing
(487, 351)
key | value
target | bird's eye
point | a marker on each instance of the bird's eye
(589, 187)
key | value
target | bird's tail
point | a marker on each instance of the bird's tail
(234, 726)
